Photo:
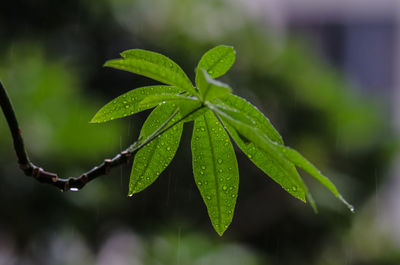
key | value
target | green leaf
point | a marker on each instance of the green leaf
(215, 169)
(216, 61)
(263, 154)
(188, 106)
(167, 97)
(155, 66)
(129, 103)
(154, 157)
(209, 88)
(303, 163)
(260, 121)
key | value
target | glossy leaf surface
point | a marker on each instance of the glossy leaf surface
(209, 88)
(153, 65)
(129, 103)
(215, 169)
(170, 97)
(154, 157)
(303, 163)
(260, 121)
(217, 61)
(264, 155)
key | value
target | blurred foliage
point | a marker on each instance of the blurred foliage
(63, 47)
(59, 113)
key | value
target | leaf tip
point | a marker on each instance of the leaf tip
(219, 231)
(312, 203)
(111, 63)
(349, 206)
(96, 119)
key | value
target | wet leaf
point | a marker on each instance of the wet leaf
(215, 169)
(216, 61)
(153, 65)
(209, 88)
(167, 97)
(303, 163)
(259, 120)
(214, 162)
(129, 103)
(263, 153)
(154, 157)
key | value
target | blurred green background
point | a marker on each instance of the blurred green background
(309, 75)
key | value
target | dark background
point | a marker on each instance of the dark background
(326, 85)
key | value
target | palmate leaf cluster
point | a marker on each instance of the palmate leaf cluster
(218, 116)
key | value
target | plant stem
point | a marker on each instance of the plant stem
(73, 183)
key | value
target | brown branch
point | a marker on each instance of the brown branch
(72, 183)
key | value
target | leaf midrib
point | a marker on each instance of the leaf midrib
(215, 173)
(152, 152)
(180, 73)
(218, 61)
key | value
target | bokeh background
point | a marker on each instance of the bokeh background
(324, 72)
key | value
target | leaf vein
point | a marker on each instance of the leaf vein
(217, 194)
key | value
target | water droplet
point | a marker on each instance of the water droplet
(73, 189)
(202, 172)
(168, 148)
(219, 161)
(130, 195)
(199, 183)
(202, 129)
(294, 188)
(224, 187)
(208, 197)
(233, 195)
(203, 167)
(250, 156)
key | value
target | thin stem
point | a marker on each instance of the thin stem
(8, 110)
(73, 183)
